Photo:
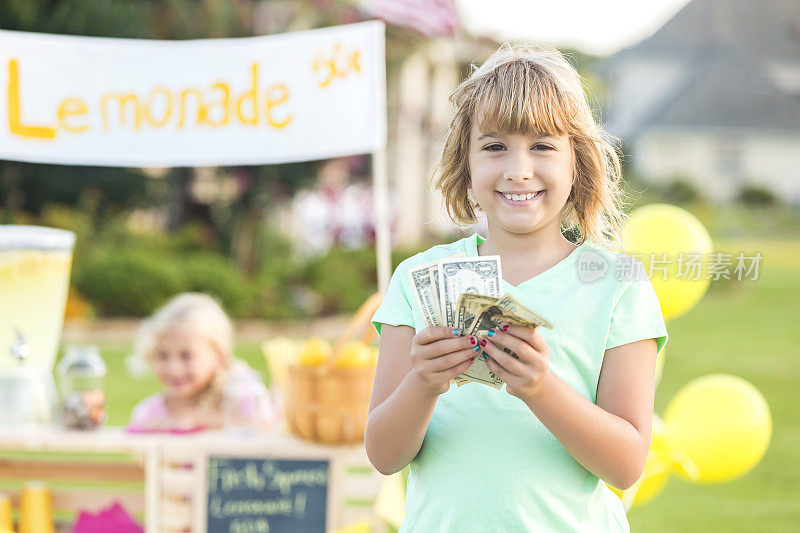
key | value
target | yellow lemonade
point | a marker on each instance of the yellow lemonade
(34, 281)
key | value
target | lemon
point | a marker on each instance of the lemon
(354, 354)
(315, 353)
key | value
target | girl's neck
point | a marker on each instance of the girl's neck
(526, 256)
(531, 248)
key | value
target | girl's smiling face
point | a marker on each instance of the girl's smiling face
(504, 167)
(185, 364)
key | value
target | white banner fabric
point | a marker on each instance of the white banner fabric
(145, 103)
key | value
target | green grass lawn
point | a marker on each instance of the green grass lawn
(746, 328)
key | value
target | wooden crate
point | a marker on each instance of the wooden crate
(84, 470)
(165, 476)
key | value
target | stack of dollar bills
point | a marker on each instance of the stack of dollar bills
(467, 293)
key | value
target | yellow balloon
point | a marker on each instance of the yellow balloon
(658, 229)
(658, 438)
(722, 423)
(657, 466)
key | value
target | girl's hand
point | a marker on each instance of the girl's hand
(440, 354)
(523, 375)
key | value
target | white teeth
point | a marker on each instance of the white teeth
(519, 197)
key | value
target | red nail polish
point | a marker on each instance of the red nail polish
(505, 328)
(483, 342)
(471, 359)
(472, 340)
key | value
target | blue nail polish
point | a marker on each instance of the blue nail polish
(456, 332)
(485, 355)
(491, 333)
(477, 348)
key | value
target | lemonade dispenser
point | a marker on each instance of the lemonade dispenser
(34, 280)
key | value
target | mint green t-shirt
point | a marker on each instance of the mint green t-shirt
(486, 462)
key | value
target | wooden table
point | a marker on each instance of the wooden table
(169, 472)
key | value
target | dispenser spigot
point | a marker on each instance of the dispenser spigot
(20, 350)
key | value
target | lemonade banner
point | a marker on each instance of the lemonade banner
(256, 100)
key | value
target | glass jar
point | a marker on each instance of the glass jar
(81, 377)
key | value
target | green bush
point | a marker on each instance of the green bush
(127, 281)
(756, 196)
(76, 220)
(69, 218)
(681, 191)
(274, 287)
(344, 279)
(135, 281)
(215, 275)
(129, 274)
(277, 278)
(273, 301)
(189, 238)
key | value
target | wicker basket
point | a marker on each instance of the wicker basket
(328, 404)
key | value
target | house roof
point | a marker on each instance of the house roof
(726, 88)
(765, 28)
(724, 46)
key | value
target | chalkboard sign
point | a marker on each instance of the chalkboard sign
(256, 495)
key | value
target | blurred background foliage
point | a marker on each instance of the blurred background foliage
(232, 247)
(223, 247)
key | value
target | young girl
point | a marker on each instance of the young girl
(575, 410)
(188, 343)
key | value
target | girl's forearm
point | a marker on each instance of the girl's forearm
(395, 428)
(605, 444)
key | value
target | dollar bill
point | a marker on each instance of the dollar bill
(479, 372)
(433, 271)
(478, 275)
(426, 291)
(507, 310)
(495, 312)
(467, 293)
(424, 294)
(473, 281)
(469, 307)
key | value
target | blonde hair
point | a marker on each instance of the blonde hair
(196, 314)
(527, 88)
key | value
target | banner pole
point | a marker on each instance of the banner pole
(383, 244)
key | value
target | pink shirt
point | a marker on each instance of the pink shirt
(244, 393)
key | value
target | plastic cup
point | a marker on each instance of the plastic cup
(6, 520)
(36, 509)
